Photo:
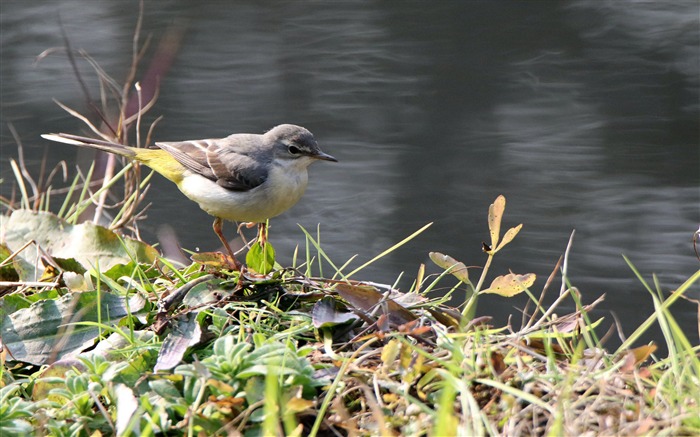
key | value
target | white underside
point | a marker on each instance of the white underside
(256, 205)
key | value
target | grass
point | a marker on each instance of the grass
(292, 353)
(301, 350)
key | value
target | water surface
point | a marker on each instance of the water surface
(583, 113)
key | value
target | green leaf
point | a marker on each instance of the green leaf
(49, 329)
(13, 302)
(165, 389)
(119, 271)
(186, 332)
(261, 258)
(51, 378)
(325, 314)
(7, 272)
(70, 265)
(86, 243)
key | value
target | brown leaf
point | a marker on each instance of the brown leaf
(636, 356)
(447, 316)
(539, 346)
(216, 260)
(498, 363)
(367, 298)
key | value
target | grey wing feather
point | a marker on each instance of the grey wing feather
(234, 170)
(214, 160)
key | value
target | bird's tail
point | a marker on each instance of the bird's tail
(106, 146)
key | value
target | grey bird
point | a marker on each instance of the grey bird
(241, 178)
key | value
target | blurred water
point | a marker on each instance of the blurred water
(585, 114)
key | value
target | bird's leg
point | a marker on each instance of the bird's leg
(262, 230)
(262, 236)
(218, 224)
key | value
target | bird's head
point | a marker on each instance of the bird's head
(295, 143)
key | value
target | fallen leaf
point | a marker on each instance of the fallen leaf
(367, 298)
(636, 356)
(186, 332)
(50, 329)
(498, 363)
(449, 317)
(325, 314)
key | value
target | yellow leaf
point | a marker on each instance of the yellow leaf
(389, 353)
(390, 397)
(508, 237)
(297, 405)
(419, 277)
(637, 356)
(406, 358)
(495, 216)
(456, 268)
(511, 284)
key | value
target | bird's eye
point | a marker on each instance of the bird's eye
(294, 150)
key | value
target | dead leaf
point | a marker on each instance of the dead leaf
(540, 347)
(508, 237)
(511, 284)
(636, 356)
(496, 210)
(447, 316)
(367, 298)
(212, 260)
(126, 406)
(498, 363)
(451, 265)
(390, 352)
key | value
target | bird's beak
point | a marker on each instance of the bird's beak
(324, 157)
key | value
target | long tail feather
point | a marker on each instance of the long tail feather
(107, 146)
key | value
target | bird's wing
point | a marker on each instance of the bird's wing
(217, 160)
(235, 169)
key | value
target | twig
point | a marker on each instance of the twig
(22, 166)
(78, 76)
(35, 284)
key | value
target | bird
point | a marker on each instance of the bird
(240, 178)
